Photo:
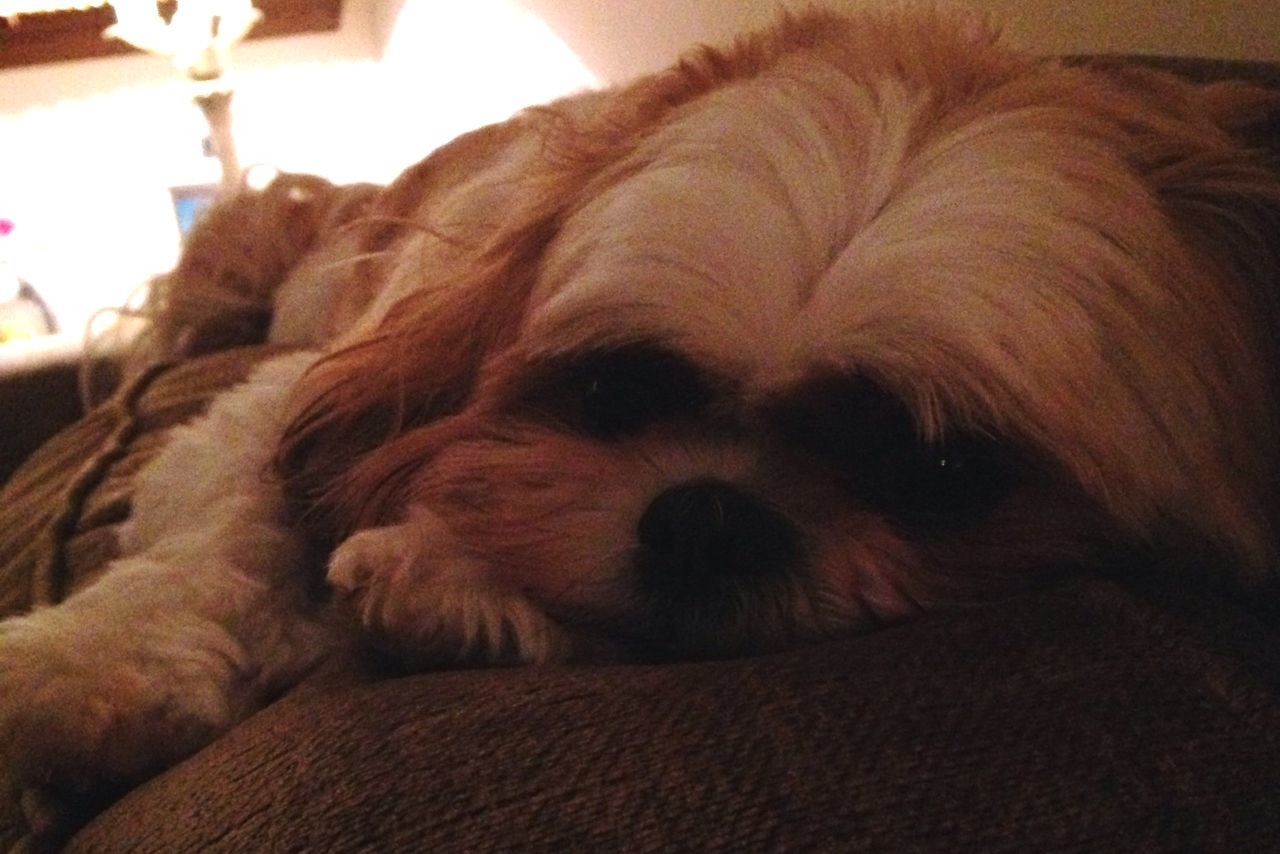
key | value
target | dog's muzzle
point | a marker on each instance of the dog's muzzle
(702, 536)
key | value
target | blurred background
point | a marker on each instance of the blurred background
(102, 156)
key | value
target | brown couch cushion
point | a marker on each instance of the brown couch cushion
(59, 509)
(1084, 718)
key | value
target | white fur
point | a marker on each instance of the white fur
(414, 585)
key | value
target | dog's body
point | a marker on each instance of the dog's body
(861, 317)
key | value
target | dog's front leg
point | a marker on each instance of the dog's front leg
(420, 594)
(205, 616)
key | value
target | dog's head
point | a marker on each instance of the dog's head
(854, 318)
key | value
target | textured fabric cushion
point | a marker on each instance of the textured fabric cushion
(1085, 718)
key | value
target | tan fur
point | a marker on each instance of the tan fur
(234, 261)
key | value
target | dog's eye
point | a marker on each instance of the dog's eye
(618, 393)
(870, 442)
(935, 483)
(622, 392)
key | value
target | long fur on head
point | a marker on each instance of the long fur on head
(1029, 198)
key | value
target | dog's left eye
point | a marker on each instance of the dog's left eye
(872, 446)
(936, 483)
(618, 393)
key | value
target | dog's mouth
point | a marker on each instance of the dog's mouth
(746, 618)
(715, 571)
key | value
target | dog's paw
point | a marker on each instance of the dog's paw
(418, 594)
(86, 706)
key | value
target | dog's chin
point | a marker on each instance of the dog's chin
(706, 618)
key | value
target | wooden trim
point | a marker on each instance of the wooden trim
(77, 33)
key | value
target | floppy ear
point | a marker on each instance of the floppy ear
(1227, 198)
(1211, 154)
(1219, 188)
(1221, 191)
(421, 360)
(419, 365)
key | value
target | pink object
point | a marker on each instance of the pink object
(6, 226)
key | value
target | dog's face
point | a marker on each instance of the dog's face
(860, 318)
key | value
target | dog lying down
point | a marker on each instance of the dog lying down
(855, 318)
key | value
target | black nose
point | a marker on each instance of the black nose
(708, 530)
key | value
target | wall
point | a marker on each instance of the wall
(622, 38)
(1234, 29)
(89, 150)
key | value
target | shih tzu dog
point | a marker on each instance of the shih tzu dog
(861, 316)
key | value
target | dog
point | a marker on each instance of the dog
(861, 316)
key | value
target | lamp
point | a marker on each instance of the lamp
(197, 38)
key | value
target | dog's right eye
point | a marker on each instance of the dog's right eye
(622, 392)
(618, 393)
